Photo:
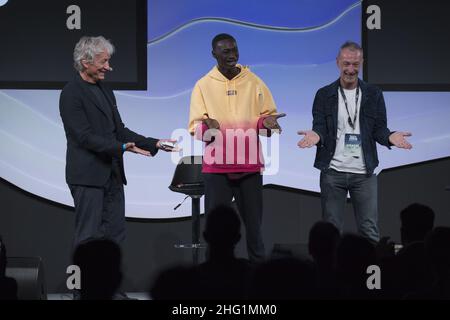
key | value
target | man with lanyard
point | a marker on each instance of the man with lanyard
(349, 117)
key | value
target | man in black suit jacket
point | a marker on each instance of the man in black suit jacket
(96, 141)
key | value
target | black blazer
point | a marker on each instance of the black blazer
(372, 120)
(90, 147)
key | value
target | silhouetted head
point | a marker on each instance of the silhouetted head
(223, 227)
(286, 278)
(100, 264)
(323, 241)
(174, 283)
(354, 255)
(437, 248)
(416, 221)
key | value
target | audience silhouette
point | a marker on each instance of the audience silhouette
(100, 264)
(437, 244)
(409, 270)
(354, 254)
(8, 286)
(324, 238)
(222, 276)
(338, 270)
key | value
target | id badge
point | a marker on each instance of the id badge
(352, 144)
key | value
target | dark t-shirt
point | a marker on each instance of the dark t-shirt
(101, 99)
(104, 103)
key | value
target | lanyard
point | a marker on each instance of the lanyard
(349, 120)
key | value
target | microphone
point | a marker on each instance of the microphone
(110, 69)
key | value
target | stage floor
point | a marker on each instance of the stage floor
(68, 296)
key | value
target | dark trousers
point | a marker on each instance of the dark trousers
(247, 192)
(99, 211)
(335, 185)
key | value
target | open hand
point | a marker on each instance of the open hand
(271, 122)
(398, 139)
(210, 122)
(310, 139)
(131, 147)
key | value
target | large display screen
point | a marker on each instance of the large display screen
(290, 45)
(406, 44)
(38, 38)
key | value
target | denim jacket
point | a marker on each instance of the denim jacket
(372, 120)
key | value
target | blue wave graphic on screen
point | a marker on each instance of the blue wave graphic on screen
(252, 25)
(166, 16)
(180, 59)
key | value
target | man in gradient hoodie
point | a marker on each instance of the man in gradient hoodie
(230, 108)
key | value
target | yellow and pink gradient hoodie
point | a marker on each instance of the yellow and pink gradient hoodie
(240, 106)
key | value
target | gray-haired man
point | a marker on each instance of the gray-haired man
(96, 141)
